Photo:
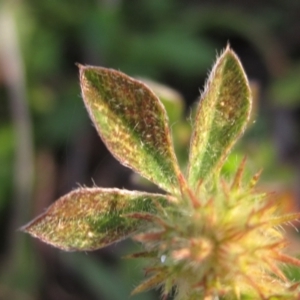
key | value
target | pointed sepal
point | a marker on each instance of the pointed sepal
(92, 218)
(153, 281)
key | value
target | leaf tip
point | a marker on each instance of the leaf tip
(30, 226)
(228, 47)
(23, 228)
(79, 65)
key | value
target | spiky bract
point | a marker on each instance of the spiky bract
(229, 247)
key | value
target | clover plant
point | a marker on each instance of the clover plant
(206, 237)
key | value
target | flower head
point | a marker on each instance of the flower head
(206, 238)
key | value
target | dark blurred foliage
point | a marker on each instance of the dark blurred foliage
(48, 145)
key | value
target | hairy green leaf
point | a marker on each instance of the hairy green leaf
(92, 218)
(132, 123)
(221, 117)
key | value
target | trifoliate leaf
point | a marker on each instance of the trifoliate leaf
(132, 123)
(221, 117)
(92, 218)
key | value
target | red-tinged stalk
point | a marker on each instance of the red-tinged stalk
(286, 259)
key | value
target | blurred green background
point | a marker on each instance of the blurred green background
(48, 145)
